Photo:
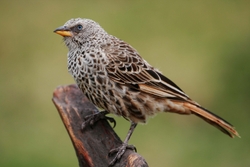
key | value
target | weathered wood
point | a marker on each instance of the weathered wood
(92, 145)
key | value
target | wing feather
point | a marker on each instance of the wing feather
(126, 66)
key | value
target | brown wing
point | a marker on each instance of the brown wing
(126, 66)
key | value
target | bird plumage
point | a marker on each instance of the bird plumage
(113, 76)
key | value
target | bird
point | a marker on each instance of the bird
(114, 77)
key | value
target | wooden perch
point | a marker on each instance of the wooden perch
(92, 144)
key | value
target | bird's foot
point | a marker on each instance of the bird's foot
(119, 152)
(90, 120)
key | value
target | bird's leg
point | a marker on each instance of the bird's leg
(121, 150)
(93, 118)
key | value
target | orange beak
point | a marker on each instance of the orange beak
(63, 31)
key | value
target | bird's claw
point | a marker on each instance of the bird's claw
(90, 120)
(111, 120)
(119, 152)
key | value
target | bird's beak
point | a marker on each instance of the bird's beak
(63, 31)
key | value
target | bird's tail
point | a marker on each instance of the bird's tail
(212, 119)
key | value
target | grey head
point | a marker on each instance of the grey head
(78, 31)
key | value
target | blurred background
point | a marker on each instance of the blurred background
(203, 46)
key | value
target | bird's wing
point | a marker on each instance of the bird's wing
(126, 66)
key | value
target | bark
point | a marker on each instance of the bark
(93, 143)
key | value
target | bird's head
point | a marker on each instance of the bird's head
(77, 31)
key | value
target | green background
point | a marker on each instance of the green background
(203, 46)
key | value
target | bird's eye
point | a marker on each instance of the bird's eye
(79, 27)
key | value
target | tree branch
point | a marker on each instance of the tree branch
(92, 144)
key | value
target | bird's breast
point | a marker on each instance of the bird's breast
(88, 68)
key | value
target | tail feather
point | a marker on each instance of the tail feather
(213, 119)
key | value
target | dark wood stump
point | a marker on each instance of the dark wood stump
(92, 144)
